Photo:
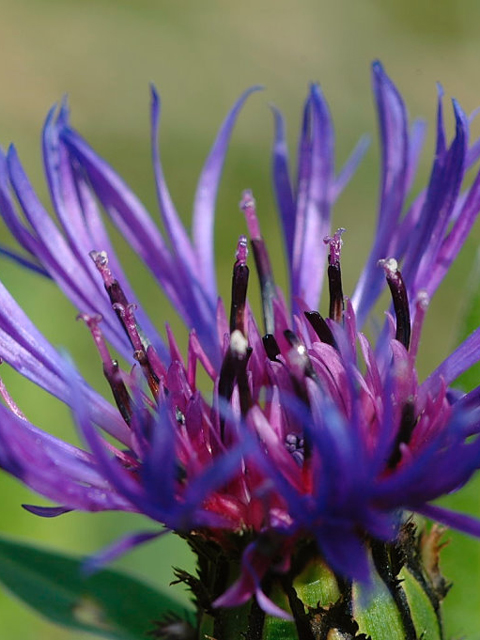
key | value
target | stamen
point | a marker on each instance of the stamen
(111, 370)
(125, 313)
(234, 368)
(298, 357)
(321, 328)
(248, 206)
(262, 260)
(335, 275)
(239, 288)
(404, 435)
(112, 286)
(301, 368)
(421, 305)
(128, 320)
(400, 300)
(271, 346)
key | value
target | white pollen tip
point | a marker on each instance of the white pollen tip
(238, 343)
(390, 265)
(99, 257)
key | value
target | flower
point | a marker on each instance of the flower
(313, 431)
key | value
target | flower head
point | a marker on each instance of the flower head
(310, 430)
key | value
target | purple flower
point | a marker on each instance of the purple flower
(309, 430)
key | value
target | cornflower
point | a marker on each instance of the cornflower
(316, 444)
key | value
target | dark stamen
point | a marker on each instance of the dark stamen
(321, 328)
(111, 370)
(112, 286)
(299, 355)
(262, 261)
(234, 369)
(239, 288)
(300, 367)
(267, 284)
(400, 300)
(119, 390)
(335, 276)
(125, 313)
(127, 317)
(271, 347)
(404, 435)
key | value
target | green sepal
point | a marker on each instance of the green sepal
(317, 585)
(423, 613)
(109, 604)
(375, 612)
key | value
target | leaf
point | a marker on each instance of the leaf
(109, 603)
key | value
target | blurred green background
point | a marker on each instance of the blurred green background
(201, 55)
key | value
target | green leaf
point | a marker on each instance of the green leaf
(109, 603)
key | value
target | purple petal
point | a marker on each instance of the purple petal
(443, 189)
(119, 548)
(344, 551)
(282, 184)
(24, 262)
(80, 220)
(456, 238)
(395, 155)
(46, 512)
(459, 521)
(316, 165)
(54, 252)
(349, 168)
(206, 196)
(418, 134)
(60, 472)
(179, 239)
(127, 213)
(465, 356)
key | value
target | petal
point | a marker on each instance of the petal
(393, 125)
(312, 218)
(206, 196)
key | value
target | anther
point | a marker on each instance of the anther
(262, 260)
(112, 286)
(321, 328)
(234, 369)
(271, 346)
(127, 316)
(399, 299)
(298, 357)
(239, 288)
(125, 313)
(335, 275)
(404, 435)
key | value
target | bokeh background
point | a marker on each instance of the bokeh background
(201, 54)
